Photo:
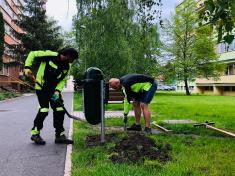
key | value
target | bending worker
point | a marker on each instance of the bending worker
(141, 89)
(51, 75)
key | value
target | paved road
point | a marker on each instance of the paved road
(18, 155)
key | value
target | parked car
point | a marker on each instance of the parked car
(166, 87)
(173, 87)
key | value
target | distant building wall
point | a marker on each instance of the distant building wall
(11, 68)
(225, 84)
(69, 86)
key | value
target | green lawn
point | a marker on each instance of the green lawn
(77, 103)
(7, 95)
(195, 151)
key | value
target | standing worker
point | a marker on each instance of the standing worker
(51, 75)
(141, 89)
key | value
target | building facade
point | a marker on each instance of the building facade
(225, 84)
(11, 69)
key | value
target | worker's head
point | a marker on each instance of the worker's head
(115, 83)
(68, 55)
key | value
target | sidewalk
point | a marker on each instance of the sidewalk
(19, 156)
(108, 114)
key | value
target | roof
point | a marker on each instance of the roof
(227, 57)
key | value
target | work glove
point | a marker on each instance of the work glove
(55, 97)
(29, 74)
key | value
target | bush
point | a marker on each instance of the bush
(8, 95)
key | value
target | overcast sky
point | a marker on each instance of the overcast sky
(63, 10)
(168, 7)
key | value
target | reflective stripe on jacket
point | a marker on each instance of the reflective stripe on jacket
(133, 86)
(52, 73)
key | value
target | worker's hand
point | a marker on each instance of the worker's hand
(55, 96)
(29, 74)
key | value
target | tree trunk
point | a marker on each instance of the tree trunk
(186, 86)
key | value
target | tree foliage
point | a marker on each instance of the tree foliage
(221, 14)
(117, 36)
(40, 33)
(146, 38)
(2, 32)
(192, 47)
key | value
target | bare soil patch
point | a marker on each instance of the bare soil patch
(133, 148)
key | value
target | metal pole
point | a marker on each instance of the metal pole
(102, 111)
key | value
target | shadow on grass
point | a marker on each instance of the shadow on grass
(189, 129)
(174, 93)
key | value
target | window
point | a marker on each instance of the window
(229, 70)
(229, 88)
(191, 87)
(208, 88)
(4, 70)
(226, 88)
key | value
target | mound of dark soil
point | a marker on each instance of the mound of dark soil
(136, 148)
(95, 140)
(133, 148)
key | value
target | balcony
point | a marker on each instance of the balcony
(226, 79)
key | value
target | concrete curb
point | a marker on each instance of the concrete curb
(68, 158)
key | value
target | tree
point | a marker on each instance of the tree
(145, 37)
(110, 37)
(192, 47)
(2, 33)
(70, 41)
(40, 33)
(101, 36)
(220, 14)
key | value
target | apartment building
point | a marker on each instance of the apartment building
(11, 69)
(225, 84)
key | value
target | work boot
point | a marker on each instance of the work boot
(134, 127)
(147, 130)
(62, 139)
(38, 139)
(36, 136)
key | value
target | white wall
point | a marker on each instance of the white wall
(69, 86)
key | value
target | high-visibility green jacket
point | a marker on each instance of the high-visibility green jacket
(52, 73)
(133, 86)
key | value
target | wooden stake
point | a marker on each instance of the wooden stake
(220, 130)
(160, 127)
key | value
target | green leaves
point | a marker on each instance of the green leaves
(115, 38)
(233, 9)
(210, 5)
(41, 33)
(229, 38)
(193, 46)
(221, 14)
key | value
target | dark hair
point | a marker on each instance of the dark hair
(69, 52)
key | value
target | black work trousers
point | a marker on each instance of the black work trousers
(44, 100)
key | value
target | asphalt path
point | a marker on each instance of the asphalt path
(19, 156)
